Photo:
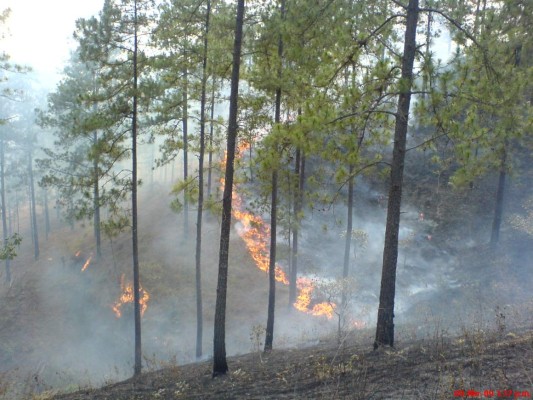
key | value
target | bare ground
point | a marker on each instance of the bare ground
(481, 364)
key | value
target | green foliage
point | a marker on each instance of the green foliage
(9, 251)
(480, 101)
(187, 188)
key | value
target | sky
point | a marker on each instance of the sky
(40, 32)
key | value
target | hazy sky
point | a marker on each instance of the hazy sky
(41, 32)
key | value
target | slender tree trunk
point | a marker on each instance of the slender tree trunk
(33, 211)
(58, 210)
(46, 214)
(385, 323)
(272, 263)
(296, 229)
(498, 209)
(135, 246)
(199, 312)
(273, 210)
(347, 246)
(30, 206)
(3, 199)
(220, 366)
(185, 126)
(211, 128)
(96, 201)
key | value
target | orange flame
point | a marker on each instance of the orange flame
(256, 235)
(86, 263)
(127, 297)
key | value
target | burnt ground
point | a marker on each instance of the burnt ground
(434, 368)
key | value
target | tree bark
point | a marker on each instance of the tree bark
(3, 199)
(498, 209)
(274, 209)
(220, 366)
(210, 152)
(272, 262)
(385, 322)
(46, 214)
(299, 170)
(185, 151)
(199, 312)
(347, 245)
(96, 200)
(35, 233)
(135, 246)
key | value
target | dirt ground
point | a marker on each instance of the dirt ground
(476, 364)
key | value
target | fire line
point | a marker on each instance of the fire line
(256, 235)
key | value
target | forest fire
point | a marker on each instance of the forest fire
(256, 235)
(303, 301)
(127, 297)
(86, 263)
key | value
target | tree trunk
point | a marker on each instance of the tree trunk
(46, 214)
(274, 210)
(35, 233)
(185, 151)
(300, 176)
(199, 312)
(96, 200)
(498, 209)
(220, 366)
(347, 247)
(210, 152)
(385, 323)
(135, 246)
(272, 261)
(3, 199)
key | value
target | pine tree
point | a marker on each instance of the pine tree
(385, 324)
(220, 366)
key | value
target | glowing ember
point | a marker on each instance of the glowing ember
(86, 263)
(127, 297)
(256, 235)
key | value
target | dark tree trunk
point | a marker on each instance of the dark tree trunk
(272, 262)
(385, 323)
(210, 152)
(199, 312)
(46, 214)
(3, 199)
(274, 211)
(498, 209)
(347, 245)
(135, 246)
(35, 233)
(185, 126)
(96, 200)
(220, 365)
(299, 170)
